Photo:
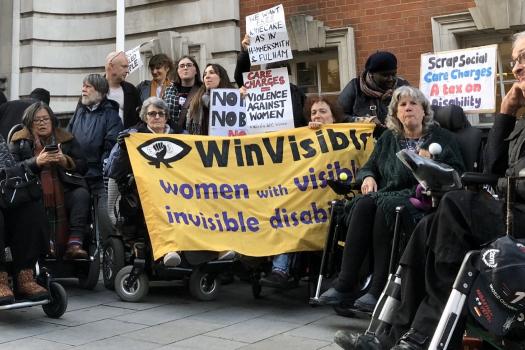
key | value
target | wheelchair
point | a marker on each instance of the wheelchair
(54, 305)
(334, 242)
(128, 266)
(86, 270)
(437, 181)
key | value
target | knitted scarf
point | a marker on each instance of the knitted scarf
(370, 88)
(53, 195)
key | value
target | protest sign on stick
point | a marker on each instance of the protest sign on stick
(134, 59)
(462, 77)
(268, 102)
(269, 40)
(227, 113)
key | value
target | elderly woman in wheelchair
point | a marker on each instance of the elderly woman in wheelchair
(464, 220)
(386, 184)
(53, 154)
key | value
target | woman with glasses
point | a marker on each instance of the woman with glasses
(161, 67)
(55, 155)
(185, 84)
(366, 98)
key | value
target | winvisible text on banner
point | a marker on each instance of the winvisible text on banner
(258, 195)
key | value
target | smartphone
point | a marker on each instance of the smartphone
(51, 148)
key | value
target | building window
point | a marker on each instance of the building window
(317, 73)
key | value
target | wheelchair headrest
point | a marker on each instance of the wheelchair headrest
(451, 117)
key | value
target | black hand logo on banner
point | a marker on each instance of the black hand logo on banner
(163, 150)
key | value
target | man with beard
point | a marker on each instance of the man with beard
(95, 125)
(366, 98)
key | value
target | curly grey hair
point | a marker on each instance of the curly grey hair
(393, 123)
(155, 101)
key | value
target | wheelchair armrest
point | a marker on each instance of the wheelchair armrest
(342, 188)
(471, 178)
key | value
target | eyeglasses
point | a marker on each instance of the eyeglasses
(519, 60)
(41, 121)
(154, 114)
(185, 65)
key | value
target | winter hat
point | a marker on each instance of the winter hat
(381, 61)
(497, 296)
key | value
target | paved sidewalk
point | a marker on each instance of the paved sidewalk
(169, 318)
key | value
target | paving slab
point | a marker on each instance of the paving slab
(203, 342)
(253, 330)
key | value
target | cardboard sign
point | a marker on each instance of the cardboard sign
(134, 59)
(268, 103)
(461, 77)
(258, 195)
(227, 113)
(269, 40)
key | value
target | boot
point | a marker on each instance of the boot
(27, 288)
(6, 294)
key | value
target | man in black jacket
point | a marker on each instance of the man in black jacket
(11, 112)
(464, 220)
(124, 93)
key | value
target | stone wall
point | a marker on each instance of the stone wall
(62, 40)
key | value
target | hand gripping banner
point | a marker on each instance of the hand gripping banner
(258, 195)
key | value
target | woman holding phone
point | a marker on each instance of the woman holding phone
(53, 154)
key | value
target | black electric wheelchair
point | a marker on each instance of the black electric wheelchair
(128, 265)
(436, 180)
(54, 305)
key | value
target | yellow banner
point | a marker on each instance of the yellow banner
(258, 195)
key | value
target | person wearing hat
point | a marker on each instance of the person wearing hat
(464, 221)
(366, 98)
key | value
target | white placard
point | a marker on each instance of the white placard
(268, 103)
(461, 77)
(134, 59)
(227, 113)
(269, 40)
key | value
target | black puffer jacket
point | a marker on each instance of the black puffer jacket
(22, 149)
(356, 104)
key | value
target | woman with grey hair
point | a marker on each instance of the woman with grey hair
(153, 120)
(386, 184)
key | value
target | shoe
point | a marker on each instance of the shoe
(227, 255)
(75, 252)
(27, 288)
(356, 341)
(171, 259)
(6, 294)
(411, 340)
(333, 297)
(276, 279)
(366, 303)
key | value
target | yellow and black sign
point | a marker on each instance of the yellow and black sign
(258, 195)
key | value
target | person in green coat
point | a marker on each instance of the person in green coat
(385, 184)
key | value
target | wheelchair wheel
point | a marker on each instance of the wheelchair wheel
(203, 285)
(90, 280)
(113, 261)
(133, 293)
(58, 301)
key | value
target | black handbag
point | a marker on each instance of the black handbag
(18, 185)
